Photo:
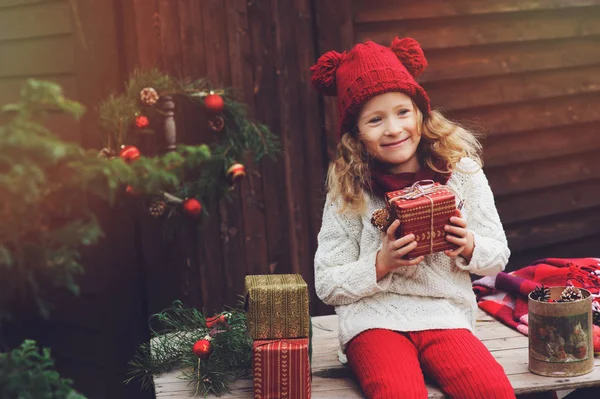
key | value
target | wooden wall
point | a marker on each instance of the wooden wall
(528, 73)
(525, 71)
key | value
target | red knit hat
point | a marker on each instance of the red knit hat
(367, 70)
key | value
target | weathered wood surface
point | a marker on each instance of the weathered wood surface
(333, 380)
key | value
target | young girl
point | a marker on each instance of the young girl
(402, 319)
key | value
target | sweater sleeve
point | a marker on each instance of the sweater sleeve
(491, 252)
(342, 274)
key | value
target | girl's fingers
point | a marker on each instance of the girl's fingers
(453, 253)
(458, 221)
(405, 249)
(391, 231)
(457, 231)
(403, 241)
(460, 241)
(414, 261)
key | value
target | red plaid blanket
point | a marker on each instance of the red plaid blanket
(504, 296)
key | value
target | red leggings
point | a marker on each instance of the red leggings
(388, 365)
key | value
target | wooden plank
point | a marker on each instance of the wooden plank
(309, 120)
(501, 59)
(10, 88)
(44, 56)
(524, 177)
(170, 41)
(541, 144)
(267, 107)
(533, 115)
(536, 204)
(292, 128)
(486, 29)
(146, 23)
(191, 39)
(335, 31)
(44, 19)
(331, 379)
(231, 228)
(386, 10)
(553, 230)
(518, 87)
(253, 203)
(13, 3)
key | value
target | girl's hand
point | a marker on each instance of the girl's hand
(458, 234)
(389, 258)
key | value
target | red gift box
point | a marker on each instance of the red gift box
(423, 210)
(281, 369)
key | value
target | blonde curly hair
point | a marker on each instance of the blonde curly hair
(441, 139)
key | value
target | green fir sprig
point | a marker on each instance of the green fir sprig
(174, 333)
(47, 187)
(28, 373)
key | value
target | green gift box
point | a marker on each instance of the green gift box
(277, 306)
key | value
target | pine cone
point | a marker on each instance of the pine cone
(158, 208)
(541, 293)
(149, 96)
(381, 219)
(570, 294)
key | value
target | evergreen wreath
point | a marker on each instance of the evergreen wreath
(212, 352)
(128, 119)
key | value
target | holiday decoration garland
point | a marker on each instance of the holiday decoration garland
(211, 351)
(150, 98)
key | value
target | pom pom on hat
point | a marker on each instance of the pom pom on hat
(323, 73)
(410, 54)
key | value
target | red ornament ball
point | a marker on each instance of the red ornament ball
(131, 191)
(236, 172)
(214, 103)
(129, 153)
(202, 348)
(192, 207)
(141, 121)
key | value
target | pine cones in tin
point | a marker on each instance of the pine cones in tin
(541, 293)
(570, 294)
(381, 219)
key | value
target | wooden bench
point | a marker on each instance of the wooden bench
(333, 380)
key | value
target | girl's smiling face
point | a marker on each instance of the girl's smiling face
(388, 127)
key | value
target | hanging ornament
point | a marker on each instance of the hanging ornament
(217, 319)
(141, 121)
(158, 208)
(192, 206)
(203, 348)
(131, 191)
(214, 103)
(129, 153)
(149, 96)
(236, 172)
(217, 123)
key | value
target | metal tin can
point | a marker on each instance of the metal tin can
(560, 335)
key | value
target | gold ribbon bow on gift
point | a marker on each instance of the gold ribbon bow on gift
(424, 188)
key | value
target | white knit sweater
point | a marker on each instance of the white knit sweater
(434, 294)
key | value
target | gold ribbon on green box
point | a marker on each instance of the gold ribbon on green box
(277, 306)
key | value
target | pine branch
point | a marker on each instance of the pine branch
(174, 332)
